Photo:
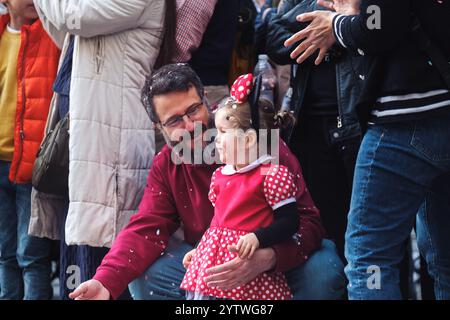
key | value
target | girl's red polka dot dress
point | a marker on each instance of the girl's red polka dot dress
(244, 201)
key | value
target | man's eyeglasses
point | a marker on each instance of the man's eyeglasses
(176, 121)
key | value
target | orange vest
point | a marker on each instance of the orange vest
(37, 66)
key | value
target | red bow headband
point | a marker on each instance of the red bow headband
(241, 88)
(244, 90)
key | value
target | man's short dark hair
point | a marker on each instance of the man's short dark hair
(178, 77)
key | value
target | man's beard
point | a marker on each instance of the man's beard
(195, 149)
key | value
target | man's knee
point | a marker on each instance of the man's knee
(161, 281)
(321, 277)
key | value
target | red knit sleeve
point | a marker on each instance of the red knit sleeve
(145, 237)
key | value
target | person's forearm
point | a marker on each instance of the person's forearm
(131, 254)
(268, 259)
(89, 18)
(143, 239)
(279, 29)
(285, 224)
(190, 31)
(58, 36)
(378, 28)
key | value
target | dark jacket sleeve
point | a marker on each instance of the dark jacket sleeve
(261, 32)
(282, 26)
(378, 29)
(284, 226)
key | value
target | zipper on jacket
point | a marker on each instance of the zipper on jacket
(338, 86)
(98, 54)
(22, 114)
(116, 199)
(339, 122)
(117, 183)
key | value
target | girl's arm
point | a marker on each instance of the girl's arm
(290, 254)
(279, 190)
(285, 225)
(282, 229)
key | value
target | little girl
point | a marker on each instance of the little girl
(254, 201)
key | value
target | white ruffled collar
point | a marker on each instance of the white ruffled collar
(229, 169)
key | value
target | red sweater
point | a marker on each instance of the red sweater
(179, 194)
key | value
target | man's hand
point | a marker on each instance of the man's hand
(317, 36)
(238, 272)
(188, 258)
(347, 7)
(247, 246)
(90, 290)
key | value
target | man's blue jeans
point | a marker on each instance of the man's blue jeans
(399, 179)
(24, 261)
(321, 277)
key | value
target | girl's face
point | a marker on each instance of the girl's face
(232, 144)
(21, 8)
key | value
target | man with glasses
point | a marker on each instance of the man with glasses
(177, 196)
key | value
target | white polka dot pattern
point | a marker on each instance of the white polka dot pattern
(279, 185)
(212, 251)
(241, 88)
(212, 195)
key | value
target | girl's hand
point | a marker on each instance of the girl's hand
(247, 246)
(90, 290)
(347, 7)
(188, 258)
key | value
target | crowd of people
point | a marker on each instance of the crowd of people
(185, 179)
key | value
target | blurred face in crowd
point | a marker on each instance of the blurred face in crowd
(182, 114)
(21, 8)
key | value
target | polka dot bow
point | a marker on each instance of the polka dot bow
(242, 87)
